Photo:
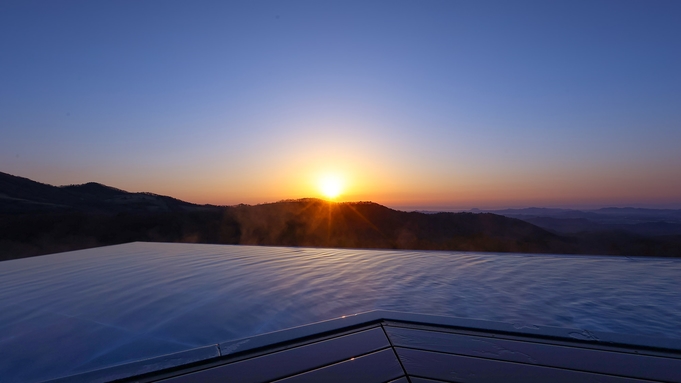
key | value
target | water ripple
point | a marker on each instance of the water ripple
(96, 308)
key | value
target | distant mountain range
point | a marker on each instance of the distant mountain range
(646, 222)
(37, 218)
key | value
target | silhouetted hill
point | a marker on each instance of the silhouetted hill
(21, 195)
(94, 189)
(313, 222)
(18, 194)
(39, 219)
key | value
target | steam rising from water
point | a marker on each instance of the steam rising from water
(78, 311)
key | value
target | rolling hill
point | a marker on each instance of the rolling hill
(37, 218)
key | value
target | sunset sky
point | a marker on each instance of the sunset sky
(415, 105)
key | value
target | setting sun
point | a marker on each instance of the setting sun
(331, 186)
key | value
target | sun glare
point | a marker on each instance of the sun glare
(331, 186)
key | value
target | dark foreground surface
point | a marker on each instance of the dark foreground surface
(393, 347)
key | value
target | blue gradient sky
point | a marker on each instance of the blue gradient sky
(439, 104)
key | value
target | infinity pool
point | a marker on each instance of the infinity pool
(73, 312)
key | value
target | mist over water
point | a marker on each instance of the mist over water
(74, 312)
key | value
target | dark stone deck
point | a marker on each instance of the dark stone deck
(382, 346)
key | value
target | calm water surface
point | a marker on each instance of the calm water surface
(74, 312)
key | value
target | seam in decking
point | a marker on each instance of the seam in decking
(526, 364)
(395, 352)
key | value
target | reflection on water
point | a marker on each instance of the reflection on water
(73, 312)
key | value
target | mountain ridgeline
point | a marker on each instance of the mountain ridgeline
(312, 222)
(36, 219)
